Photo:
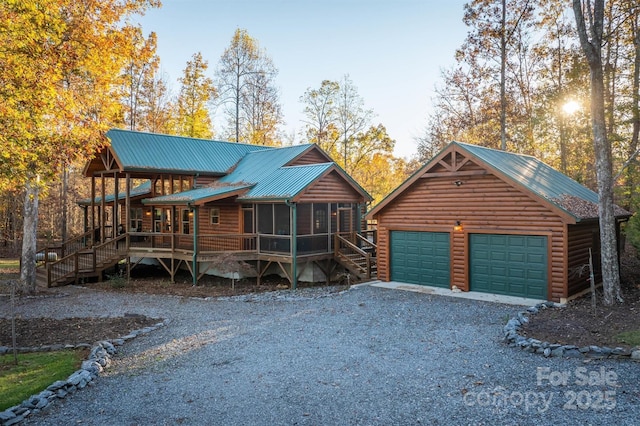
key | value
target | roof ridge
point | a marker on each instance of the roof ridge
(263, 147)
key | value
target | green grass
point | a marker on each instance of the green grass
(9, 264)
(34, 372)
(631, 338)
(9, 269)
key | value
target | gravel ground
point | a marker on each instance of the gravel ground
(366, 356)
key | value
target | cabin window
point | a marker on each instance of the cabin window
(135, 219)
(185, 221)
(215, 216)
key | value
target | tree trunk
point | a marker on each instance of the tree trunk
(29, 238)
(591, 43)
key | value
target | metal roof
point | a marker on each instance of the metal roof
(285, 183)
(537, 176)
(250, 171)
(139, 151)
(142, 189)
(561, 191)
(193, 196)
(256, 166)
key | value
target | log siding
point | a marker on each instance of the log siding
(483, 203)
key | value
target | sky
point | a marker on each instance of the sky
(392, 50)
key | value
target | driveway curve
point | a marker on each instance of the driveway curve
(365, 356)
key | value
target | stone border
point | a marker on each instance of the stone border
(99, 359)
(529, 344)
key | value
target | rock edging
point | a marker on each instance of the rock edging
(513, 338)
(98, 360)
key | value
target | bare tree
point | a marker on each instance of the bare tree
(245, 73)
(590, 23)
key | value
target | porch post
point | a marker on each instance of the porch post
(103, 208)
(194, 268)
(93, 209)
(294, 246)
(116, 206)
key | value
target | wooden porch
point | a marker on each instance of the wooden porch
(86, 257)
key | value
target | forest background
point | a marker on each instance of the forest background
(519, 82)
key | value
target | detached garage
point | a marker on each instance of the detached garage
(490, 221)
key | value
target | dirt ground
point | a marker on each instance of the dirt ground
(575, 324)
(578, 324)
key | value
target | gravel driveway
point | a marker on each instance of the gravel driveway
(366, 356)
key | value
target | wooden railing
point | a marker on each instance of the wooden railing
(54, 252)
(86, 261)
(351, 256)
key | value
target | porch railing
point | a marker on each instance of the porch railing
(87, 261)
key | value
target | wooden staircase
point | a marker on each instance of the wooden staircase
(357, 254)
(75, 260)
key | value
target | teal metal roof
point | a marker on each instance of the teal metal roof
(195, 195)
(532, 174)
(256, 166)
(250, 171)
(543, 180)
(286, 182)
(142, 189)
(537, 176)
(138, 151)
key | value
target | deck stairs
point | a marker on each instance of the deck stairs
(357, 254)
(78, 259)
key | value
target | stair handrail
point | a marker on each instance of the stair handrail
(367, 256)
(76, 255)
(366, 241)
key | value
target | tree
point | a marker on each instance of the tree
(495, 24)
(245, 77)
(196, 93)
(157, 112)
(263, 112)
(141, 68)
(591, 40)
(338, 122)
(60, 64)
(319, 110)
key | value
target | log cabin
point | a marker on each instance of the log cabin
(479, 219)
(206, 205)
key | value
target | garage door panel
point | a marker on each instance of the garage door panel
(420, 258)
(509, 264)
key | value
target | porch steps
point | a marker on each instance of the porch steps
(360, 261)
(76, 266)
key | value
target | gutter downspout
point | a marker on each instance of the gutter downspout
(294, 244)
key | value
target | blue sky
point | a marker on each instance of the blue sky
(393, 51)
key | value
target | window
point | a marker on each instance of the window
(186, 214)
(135, 219)
(215, 216)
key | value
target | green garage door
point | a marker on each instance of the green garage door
(514, 265)
(420, 258)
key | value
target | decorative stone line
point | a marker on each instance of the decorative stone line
(99, 359)
(514, 339)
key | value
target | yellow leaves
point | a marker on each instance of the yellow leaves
(60, 61)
